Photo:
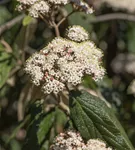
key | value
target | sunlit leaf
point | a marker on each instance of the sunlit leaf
(27, 20)
(94, 119)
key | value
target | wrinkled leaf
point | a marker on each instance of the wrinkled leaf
(94, 119)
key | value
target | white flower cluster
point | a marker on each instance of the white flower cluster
(94, 144)
(64, 61)
(77, 33)
(27, 2)
(34, 7)
(41, 7)
(37, 7)
(71, 140)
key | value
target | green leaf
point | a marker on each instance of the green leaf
(27, 20)
(31, 140)
(6, 63)
(61, 120)
(45, 126)
(94, 119)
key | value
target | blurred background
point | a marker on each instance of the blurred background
(111, 27)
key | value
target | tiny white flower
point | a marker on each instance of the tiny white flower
(27, 2)
(63, 61)
(71, 140)
(77, 33)
(41, 7)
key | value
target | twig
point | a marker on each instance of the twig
(43, 18)
(17, 68)
(57, 32)
(20, 106)
(7, 46)
(63, 106)
(63, 19)
(10, 23)
(113, 16)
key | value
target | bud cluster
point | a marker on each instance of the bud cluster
(35, 8)
(71, 140)
(63, 62)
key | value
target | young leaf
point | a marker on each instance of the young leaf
(27, 20)
(94, 119)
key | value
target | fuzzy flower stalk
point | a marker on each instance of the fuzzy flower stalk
(37, 8)
(71, 140)
(65, 61)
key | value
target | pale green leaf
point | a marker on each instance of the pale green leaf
(27, 20)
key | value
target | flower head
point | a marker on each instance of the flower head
(71, 140)
(63, 61)
(95, 144)
(77, 33)
(42, 7)
(27, 2)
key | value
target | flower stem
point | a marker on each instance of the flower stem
(63, 19)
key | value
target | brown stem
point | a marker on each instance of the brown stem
(7, 46)
(57, 32)
(63, 106)
(43, 18)
(11, 23)
(63, 19)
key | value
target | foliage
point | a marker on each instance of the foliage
(97, 120)
(30, 119)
